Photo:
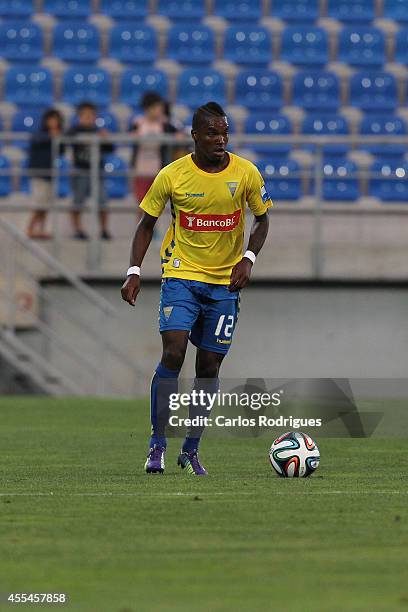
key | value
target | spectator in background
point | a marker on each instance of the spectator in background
(149, 158)
(81, 180)
(41, 163)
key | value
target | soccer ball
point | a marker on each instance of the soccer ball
(294, 455)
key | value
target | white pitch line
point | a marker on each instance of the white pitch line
(201, 493)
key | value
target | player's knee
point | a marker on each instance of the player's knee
(209, 369)
(173, 357)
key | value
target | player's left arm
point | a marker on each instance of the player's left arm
(259, 202)
(241, 272)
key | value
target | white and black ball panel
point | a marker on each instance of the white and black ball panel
(294, 455)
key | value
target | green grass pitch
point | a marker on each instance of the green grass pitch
(78, 515)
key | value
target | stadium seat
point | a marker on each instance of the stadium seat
(282, 179)
(74, 9)
(385, 125)
(304, 46)
(196, 85)
(238, 10)
(295, 10)
(389, 181)
(247, 44)
(353, 11)
(125, 10)
(190, 10)
(259, 89)
(396, 9)
(268, 124)
(21, 41)
(340, 181)
(326, 124)
(86, 83)
(25, 121)
(116, 182)
(133, 43)
(5, 179)
(29, 86)
(362, 46)
(191, 44)
(401, 46)
(16, 9)
(373, 91)
(316, 90)
(134, 82)
(76, 42)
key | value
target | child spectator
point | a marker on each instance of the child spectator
(41, 163)
(81, 180)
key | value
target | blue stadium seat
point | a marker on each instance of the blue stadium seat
(305, 46)
(316, 90)
(74, 9)
(125, 10)
(21, 41)
(92, 84)
(5, 179)
(116, 185)
(29, 86)
(238, 10)
(182, 9)
(401, 46)
(282, 179)
(269, 124)
(362, 46)
(373, 91)
(391, 183)
(191, 44)
(259, 89)
(326, 124)
(64, 183)
(295, 10)
(396, 9)
(353, 11)
(76, 42)
(340, 181)
(16, 9)
(383, 125)
(24, 182)
(248, 44)
(25, 120)
(134, 82)
(133, 43)
(196, 85)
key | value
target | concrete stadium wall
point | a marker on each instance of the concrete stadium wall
(283, 331)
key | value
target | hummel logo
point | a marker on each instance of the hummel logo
(194, 195)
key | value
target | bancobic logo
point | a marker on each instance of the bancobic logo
(209, 223)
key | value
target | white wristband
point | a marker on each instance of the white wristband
(250, 255)
(133, 270)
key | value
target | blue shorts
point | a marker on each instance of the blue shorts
(208, 311)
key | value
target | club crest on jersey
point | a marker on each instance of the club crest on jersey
(232, 186)
(209, 223)
(167, 310)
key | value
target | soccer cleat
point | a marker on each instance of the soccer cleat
(191, 463)
(155, 460)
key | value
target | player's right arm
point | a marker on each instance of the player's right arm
(152, 204)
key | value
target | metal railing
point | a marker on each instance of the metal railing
(313, 175)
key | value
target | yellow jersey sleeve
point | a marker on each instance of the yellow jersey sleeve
(160, 191)
(257, 197)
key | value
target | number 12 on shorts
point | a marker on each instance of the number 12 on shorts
(228, 327)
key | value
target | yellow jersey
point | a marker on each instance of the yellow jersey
(206, 235)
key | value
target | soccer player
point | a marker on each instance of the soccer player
(203, 266)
